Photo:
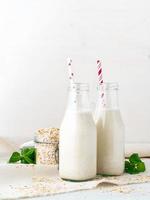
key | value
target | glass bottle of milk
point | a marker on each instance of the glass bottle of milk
(78, 137)
(110, 133)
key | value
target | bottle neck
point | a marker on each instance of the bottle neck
(78, 98)
(111, 100)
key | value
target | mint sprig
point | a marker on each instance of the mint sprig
(134, 164)
(26, 156)
(15, 157)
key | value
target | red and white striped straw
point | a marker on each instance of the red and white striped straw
(70, 72)
(100, 79)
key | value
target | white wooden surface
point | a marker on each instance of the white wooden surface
(96, 195)
(36, 36)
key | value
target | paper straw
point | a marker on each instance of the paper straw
(70, 72)
(100, 79)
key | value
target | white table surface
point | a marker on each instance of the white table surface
(98, 195)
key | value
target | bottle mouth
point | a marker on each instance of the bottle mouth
(79, 87)
(108, 86)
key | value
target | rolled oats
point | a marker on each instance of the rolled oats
(47, 146)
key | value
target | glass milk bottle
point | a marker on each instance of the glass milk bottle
(78, 138)
(110, 133)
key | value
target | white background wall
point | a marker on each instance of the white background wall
(36, 36)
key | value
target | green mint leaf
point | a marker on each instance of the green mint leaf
(23, 161)
(28, 155)
(134, 158)
(27, 151)
(134, 165)
(15, 157)
(27, 160)
(130, 168)
(127, 164)
(141, 167)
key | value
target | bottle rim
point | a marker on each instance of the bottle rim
(108, 86)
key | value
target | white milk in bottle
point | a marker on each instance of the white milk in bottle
(110, 133)
(78, 138)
